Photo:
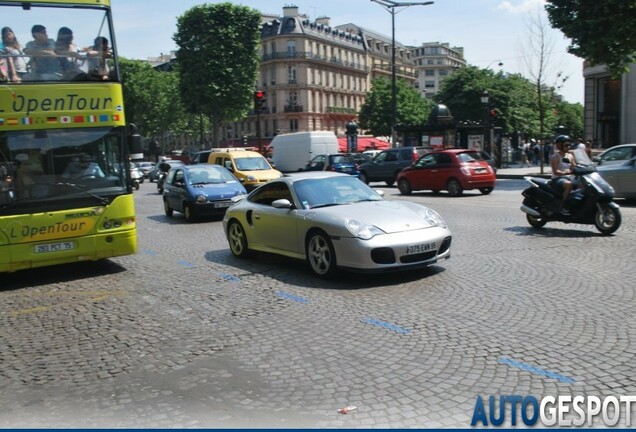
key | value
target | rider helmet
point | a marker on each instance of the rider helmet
(562, 139)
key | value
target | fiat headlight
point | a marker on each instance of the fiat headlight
(361, 230)
(432, 217)
(201, 199)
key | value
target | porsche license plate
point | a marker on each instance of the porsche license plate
(421, 248)
(54, 247)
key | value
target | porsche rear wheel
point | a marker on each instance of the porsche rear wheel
(321, 255)
(238, 240)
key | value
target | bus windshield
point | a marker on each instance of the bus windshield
(61, 168)
(53, 42)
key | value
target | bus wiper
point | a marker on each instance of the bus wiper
(77, 187)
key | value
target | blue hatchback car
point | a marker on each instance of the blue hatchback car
(338, 162)
(200, 190)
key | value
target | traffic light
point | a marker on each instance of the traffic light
(493, 113)
(259, 101)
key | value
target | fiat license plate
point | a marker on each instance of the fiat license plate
(421, 248)
(54, 247)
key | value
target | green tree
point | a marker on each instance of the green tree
(601, 32)
(151, 97)
(570, 116)
(375, 114)
(218, 60)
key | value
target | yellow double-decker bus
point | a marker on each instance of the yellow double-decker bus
(65, 148)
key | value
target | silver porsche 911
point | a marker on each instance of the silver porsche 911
(333, 221)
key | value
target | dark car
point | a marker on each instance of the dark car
(200, 157)
(388, 163)
(454, 170)
(339, 162)
(200, 190)
(488, 158)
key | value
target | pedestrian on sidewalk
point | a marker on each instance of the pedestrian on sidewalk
(536, 153)
(525, 152)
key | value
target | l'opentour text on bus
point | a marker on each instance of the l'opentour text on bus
(65, 184)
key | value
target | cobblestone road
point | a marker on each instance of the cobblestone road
(184, 335)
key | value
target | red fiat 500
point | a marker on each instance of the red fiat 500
(453, 170)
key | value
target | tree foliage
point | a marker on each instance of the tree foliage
(151, 98)
(512, 97)
(376, 116)
(218, 59)
(601, 32)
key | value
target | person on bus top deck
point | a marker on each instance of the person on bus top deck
(43, 57)
(82, 167)
(67, 51)
(96, 56)
(16, 64)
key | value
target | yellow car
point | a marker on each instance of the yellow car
(250, 167)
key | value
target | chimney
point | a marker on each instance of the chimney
(324, 20)
(290, 11)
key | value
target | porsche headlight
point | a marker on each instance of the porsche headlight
(201, 199)
(432, 217)
(363, 231)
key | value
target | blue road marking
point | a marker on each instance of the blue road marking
(229, 277)
(150, 252)
(388, 326)
(186, 263)
(536, 370)
(292, 297)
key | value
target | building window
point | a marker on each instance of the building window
(429, 84)
(291, 48)
(291, 74)
(429, 72)
(293, 125)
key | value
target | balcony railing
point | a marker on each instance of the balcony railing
(315, 57)
(293, 108)
(340, 110)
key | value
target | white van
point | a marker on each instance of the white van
(291, 152)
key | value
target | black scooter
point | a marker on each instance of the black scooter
(590, 202)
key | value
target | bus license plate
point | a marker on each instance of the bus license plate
(54, 247)
(420, 248)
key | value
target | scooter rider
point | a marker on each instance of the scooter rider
(562, 163)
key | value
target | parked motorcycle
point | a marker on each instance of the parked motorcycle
(590, 202)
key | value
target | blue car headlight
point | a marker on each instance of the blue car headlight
(432, 217)
(362, 230)
(201, 199)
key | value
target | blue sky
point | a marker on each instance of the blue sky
(490, 31)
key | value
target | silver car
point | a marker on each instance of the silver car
(622, 177)
(335, 221)
(616, 155)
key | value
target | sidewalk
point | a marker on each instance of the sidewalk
(516, 171)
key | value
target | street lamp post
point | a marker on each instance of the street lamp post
(485, 100)
(390, 6)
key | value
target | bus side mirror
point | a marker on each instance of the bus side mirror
(134, 142)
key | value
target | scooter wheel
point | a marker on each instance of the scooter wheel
(536, 222)
(607, 219)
